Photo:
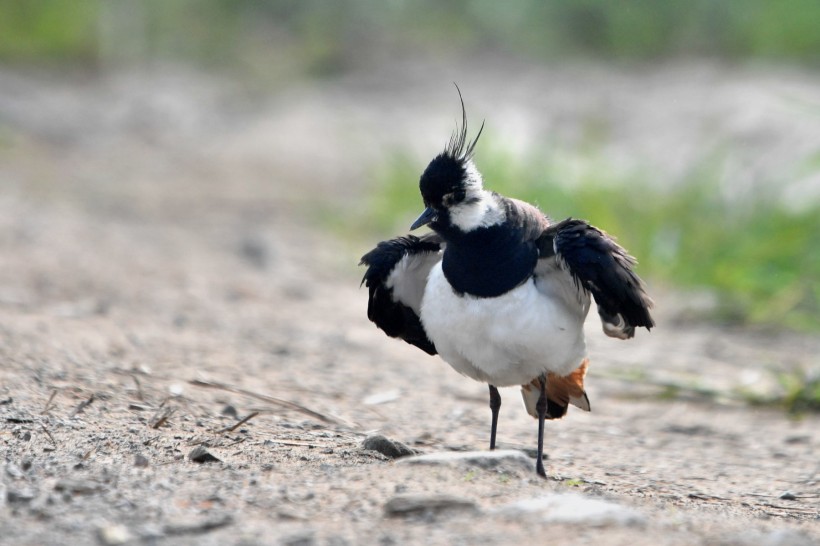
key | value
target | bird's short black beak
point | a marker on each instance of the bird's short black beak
(426, 217)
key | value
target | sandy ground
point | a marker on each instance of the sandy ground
(160, 281)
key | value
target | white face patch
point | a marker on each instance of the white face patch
(480, 208)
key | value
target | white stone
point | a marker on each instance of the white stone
(112, 535)
(482, 459)
(573, 508)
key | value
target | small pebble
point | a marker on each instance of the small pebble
(387, 447)
(23, 495)
(77, 487)
(112, 535)
(141, 460)
(404, 505)
(201, 455)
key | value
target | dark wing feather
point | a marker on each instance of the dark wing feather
(603, 268)
(525, 217)
(388, 285)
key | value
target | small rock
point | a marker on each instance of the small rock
(14, 471)
(254, 250)
(798, 439)
(381, 397)
(574, 509)
(22, 495)
(229, 411)
(201, 455)
(404, 505)
(187, 527)
(111, 535)
(690, 430)
(500, 458)
(788, 495)
(77, 487)
(141, 460)
(387, 447)
(303, 538)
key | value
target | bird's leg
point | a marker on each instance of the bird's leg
(495, 404)
(541, 408)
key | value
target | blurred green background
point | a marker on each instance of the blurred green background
(326, 37)
(758, 255)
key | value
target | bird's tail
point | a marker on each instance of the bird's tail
(561, 392)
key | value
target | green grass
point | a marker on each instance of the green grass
(761, 260)
(802, 391)
(798, 390)
(326, 37)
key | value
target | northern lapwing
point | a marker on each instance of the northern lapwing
(499, 291)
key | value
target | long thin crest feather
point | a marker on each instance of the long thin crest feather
(457, 147)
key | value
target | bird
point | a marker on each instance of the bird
(501, 292)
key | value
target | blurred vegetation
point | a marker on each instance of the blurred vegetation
(797, 389)
(319, 37)
(760, 259)
(763, 260)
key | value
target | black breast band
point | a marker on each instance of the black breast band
(489, 261)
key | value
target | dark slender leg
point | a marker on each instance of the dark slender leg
(541, 408)
(495, 404)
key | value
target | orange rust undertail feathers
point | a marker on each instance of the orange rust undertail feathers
(561, 392)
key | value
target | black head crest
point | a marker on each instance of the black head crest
(458, 148)
(446, 177)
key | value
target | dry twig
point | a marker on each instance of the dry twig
(296, 443)
(50, 437)
(84, 404)
(47, 407)
(239, 423)
(270, 399)
(163, 418)
(140, 394)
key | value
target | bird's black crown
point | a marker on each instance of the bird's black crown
(443, 182)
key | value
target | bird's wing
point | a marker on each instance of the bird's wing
(601, 267)
(396, 275)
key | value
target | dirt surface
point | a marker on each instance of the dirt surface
(158, 286)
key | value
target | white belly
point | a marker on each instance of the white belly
(507, 340)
